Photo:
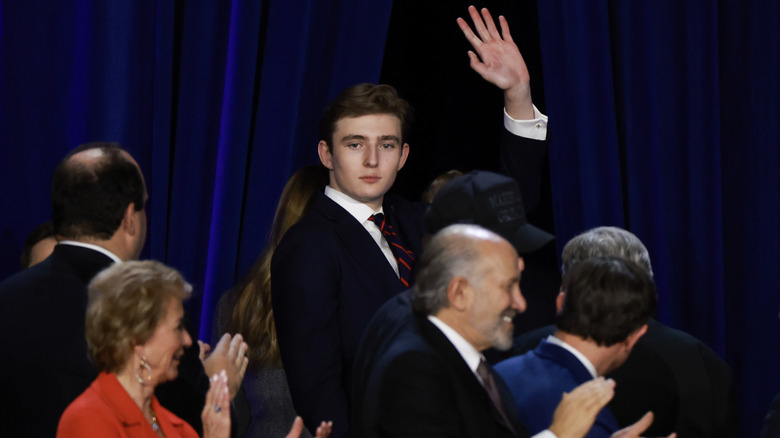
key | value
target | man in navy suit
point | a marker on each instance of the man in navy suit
(686, 385)
(606, 303)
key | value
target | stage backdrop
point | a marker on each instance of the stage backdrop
(665, 120)
(664, 117)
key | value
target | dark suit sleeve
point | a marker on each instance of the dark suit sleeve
(771, 428)
(416, 399)
(524, 160)
(305, 288)
(723, 398)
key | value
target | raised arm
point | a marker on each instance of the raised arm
(498, 61)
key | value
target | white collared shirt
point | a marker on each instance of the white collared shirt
(464, 347)
(535, 128)
(471, 356)
(581, 357)
(97, 248)
(361, 212)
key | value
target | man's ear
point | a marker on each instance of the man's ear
(326, 156)
(404, 156)
(633, 337)
(559, 301)
(129, 221)
(459, 294)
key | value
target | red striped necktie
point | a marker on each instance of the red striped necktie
(404, 256)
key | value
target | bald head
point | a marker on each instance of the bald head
(452, 252)
(469, 278)
(91, 190)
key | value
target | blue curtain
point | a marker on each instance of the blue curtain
(664, 117)
(218, 101)
(665, 120)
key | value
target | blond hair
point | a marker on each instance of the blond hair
(126, 303)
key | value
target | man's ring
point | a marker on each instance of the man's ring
(217, 408)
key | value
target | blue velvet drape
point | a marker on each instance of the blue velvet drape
(664, 113)
(665, 122)
(218, 101)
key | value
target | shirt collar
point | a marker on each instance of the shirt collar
(357, 209)
(464, 347)
(581, 357)
(97, 248)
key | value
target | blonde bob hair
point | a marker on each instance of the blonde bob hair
(126, 303)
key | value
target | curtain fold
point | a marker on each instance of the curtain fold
(665, 122)
(218, 102)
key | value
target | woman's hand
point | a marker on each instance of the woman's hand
(216, 413)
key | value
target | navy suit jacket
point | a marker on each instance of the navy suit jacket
(43, 360)
(537, 381)
(686, 385)
(329, 277)
(418, 385)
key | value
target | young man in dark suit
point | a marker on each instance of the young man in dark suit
(334, 268)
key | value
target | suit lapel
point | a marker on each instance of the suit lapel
(361, 246)
(440, 343)
(562, 356)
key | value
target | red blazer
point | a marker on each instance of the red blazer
(106, 409)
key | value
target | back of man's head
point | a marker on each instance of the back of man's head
(362, 100)
(91, 189)
(607, 299)
(452, 252)
(603, 242)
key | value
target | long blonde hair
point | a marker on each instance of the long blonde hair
(253, 315)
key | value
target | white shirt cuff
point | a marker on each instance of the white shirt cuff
(545, 434)
(535, 128)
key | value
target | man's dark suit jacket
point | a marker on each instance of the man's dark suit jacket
(43, 360)
(771, 427)
(418, 385)
(329, 277)
(44, 364)
(686, 385)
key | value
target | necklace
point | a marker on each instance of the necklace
(155, 424)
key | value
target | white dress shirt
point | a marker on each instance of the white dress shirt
(535, 128)
(361, 212)
(581, 357)
(100, 249)
(471, 356)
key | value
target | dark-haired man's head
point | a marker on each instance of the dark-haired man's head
(98, 196)
(607, 301)
(362, 144)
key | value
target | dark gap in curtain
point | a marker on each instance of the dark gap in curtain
(620, 119)
(263, 38)
(178, 35)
